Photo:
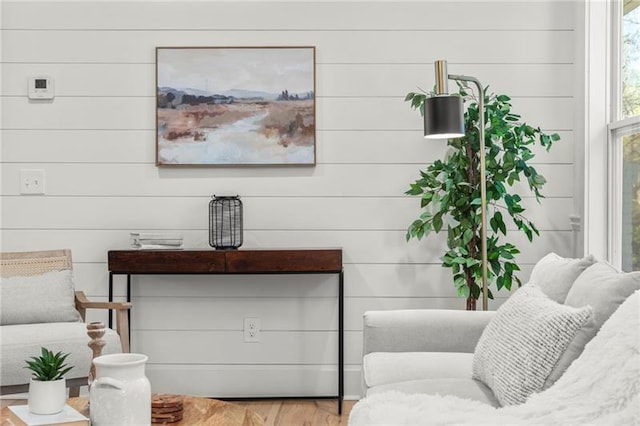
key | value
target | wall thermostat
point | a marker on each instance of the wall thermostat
(40, 88)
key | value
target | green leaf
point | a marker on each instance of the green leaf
(495, 266)
(506, 254)
(467, 236)
(508, 267)
(539, 180)
(493, 224)
(533, 227)
(414, 190)
(489, 294)
(472, 262)
(507, 282)
(528, 233)
(463, 291)
(437, 222)
(413, 228)
(499, 222)
(475, 291)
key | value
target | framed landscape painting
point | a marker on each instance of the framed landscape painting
(235, 106)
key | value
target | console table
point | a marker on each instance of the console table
(244, 261)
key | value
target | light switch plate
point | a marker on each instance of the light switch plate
(32, 181)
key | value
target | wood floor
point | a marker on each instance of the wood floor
(300, 412)
(294, 412)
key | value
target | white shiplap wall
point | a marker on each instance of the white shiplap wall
(96, 143)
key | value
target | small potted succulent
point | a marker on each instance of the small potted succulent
(47, 388)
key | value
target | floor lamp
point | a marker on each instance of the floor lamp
(444, 119)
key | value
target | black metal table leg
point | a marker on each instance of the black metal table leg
(340, 341)
(129, 310)
(110, 298)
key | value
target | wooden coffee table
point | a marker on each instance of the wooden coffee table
(200, 411)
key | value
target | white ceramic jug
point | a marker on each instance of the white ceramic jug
(121, 393)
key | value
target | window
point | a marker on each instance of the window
(630, 59)
(630, 198)
(625, 136)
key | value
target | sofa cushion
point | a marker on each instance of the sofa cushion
(520, 346)
(20, 342)
(462, 388)
(604, 288)
(38, 299)
(555, 274)
(381, 368)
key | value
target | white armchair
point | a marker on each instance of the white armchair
(40, 309)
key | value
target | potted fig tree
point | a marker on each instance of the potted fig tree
(449, 191)
(47, 388)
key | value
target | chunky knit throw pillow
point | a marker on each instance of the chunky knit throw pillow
(522, 343)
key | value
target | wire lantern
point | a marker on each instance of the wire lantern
(225, 222)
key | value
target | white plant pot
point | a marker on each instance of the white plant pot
(47, 397)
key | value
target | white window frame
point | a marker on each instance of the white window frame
(617, 128)
(596, 87)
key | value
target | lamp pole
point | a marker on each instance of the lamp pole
(441, 89)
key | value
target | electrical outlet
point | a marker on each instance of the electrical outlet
(252, 330)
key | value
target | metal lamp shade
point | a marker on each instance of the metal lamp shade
(225, 222)
(443, 117)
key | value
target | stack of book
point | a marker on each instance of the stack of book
(156, 240)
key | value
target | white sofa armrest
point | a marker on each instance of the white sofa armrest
(424, 330)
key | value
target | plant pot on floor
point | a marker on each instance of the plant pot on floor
(47, 397)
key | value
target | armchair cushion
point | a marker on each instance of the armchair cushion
(381, 368)
(520, 346)
(20, 342)
(41, 298)
(468, 389)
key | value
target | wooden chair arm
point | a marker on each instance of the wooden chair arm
(83, 302)
(122, 315)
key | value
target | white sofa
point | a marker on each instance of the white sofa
(431, 352)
